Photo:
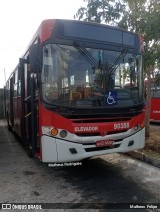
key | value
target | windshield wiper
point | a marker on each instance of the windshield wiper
(116, 63)
(86, 54)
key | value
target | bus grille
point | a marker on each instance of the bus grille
(100, 120)
(81, 134)
(93, 149)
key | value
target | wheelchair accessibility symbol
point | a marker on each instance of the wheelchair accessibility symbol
(111, 98)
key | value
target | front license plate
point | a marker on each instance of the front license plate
(102, 143)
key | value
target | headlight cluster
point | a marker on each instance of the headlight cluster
(139, 126)
(51, 131)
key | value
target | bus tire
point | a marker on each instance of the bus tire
(8, 126)
(29, 151)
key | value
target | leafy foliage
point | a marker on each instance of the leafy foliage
(101, 11)
(142, 17)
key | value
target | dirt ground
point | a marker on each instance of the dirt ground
(153, 142)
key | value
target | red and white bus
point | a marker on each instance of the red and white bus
(67, 100)
(155, 103)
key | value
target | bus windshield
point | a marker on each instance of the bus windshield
(75, 76)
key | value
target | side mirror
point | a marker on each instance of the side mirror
(33, 57)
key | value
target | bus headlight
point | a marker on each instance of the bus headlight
(136, 127)
(63, 133)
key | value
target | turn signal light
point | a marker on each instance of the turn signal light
(53, 131)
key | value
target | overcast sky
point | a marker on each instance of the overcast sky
(19, 19)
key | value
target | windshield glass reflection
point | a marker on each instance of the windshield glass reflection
(86, 77)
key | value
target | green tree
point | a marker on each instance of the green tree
(101, 11)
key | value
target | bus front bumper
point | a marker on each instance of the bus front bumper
(57, 150)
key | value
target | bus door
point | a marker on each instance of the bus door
(29, 108)
(33, 121)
